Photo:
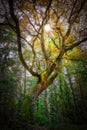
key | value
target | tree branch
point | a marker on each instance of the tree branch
(75, 44)
(19, 39)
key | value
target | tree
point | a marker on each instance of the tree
(9, 69)
(38, 24)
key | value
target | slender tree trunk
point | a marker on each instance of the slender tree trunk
(73, 95)
(46, 101)
(24, 82)
(83, 104)
(56, 103)
(62, 96)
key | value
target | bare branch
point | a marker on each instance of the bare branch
(75, 44)
(19, 39)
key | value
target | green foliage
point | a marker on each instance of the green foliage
(7, 96)
(40, 115)
(6, 34)
(41, 119)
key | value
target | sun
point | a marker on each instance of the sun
(47, 28)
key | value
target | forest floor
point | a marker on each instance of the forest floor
(44, 127)
(62, 127)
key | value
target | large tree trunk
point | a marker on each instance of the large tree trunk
(30, 100)
(36, 90)
(27, 110)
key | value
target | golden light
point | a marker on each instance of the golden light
(47, 28)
